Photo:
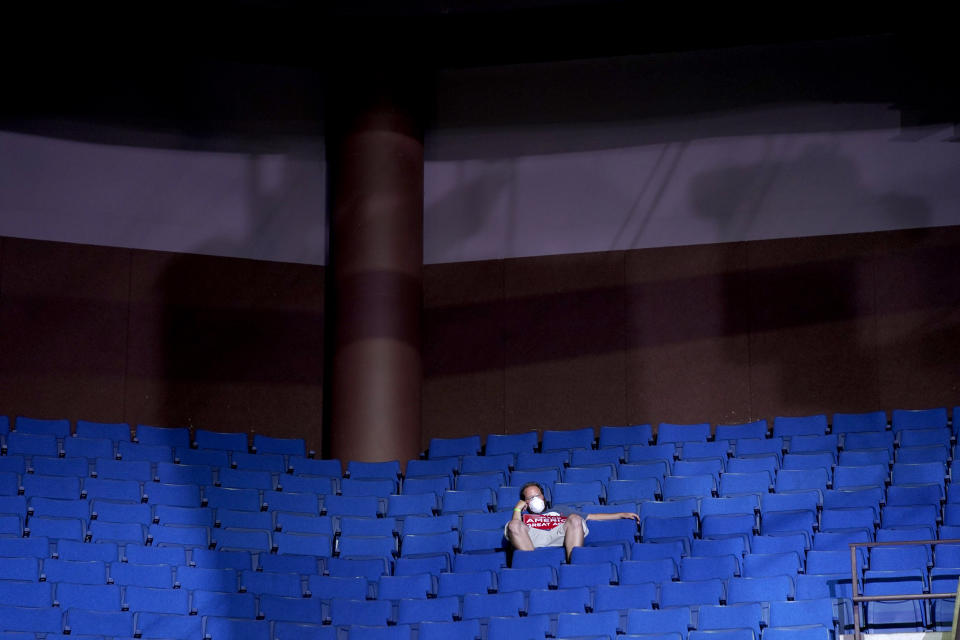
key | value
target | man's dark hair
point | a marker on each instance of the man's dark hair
(530, 484)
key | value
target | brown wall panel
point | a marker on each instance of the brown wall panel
(918, 294)
(463, 350)
(63, 330)
(812, 324)
(564, 320)
(687, 344)
(226, 344)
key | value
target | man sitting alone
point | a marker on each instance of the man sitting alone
(534, 529)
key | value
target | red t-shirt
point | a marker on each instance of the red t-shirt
(545, 521)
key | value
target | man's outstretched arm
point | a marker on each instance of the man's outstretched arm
(613, 516)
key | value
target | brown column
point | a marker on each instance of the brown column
(375, 154)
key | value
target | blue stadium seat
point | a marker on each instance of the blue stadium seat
(567, 439)
(227, 605)
(698, 486)
(669, 432)
(709, 567)
(761, 565)
(613, 436)
(510, 628)
(587, 574)
(716, 617)
(440, 609)
(277, 584)
(652, 570)
(461, 583)
(193, 578)
(601, 623)
(901, 419)
(90, 448)
(272, 462)
(283, 446)
(515, 443)
(691, 593)
(472, 500)
(755, 429)
(752, 447)
(102, 623)
(221, 628)
(864, 457)
(135, 452)
(302, 610)
(760, 589)
(462, 630)
(855, 422)
(154, 600)
(625, 596)
(166, 436)
(135, 575)
(473, 464)
(177, 495)
(659, 621)
(788, 427)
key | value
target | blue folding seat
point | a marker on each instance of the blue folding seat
(227, 605)
(727, 525)
(556, 601)
(302, 544)
(602, 473)
(623, 491)
(75, 571)
(943, 580)
(712, 466)
(907, 560)
(424, 504)
(796, 501)
(193, 578)
(740, 616)
(152, 600)
(608, 597)
(836, 540)
(30, 620)
(507, 628)
(545, 476)
(614, 554)
(68, 467)
(201, 458)
(869, 440)
(669, 432)
(757, 447)
(427, 484)
(788, 427)
(525, 578)
(115, 431)
(657, 621)
(451, 447)
(601, 623)
(864, 457)
(794, 613)
(927, 453)
(718, 450)
(280, 446)
(10, 484)
(36, 426)
(278, 584)
(591, 457)
(20, 569)
(691, 593)
(330, 468)
(190, 516)
(158, 576)
(808, 632)
(815, 444)
(209, 559)
(274, 463)
(11, 525)
(52, 507)
(431, 524)
(645, 453)
(358, 526)
(573, 493)
(462, 583)
(795, 543)
(161, 625)
(652, 570)
(474, 464)
(382, 548)
(614, 436)
(474, 540)
(901, 419)
(515, 443)
(13, 464)
(185, 536)
(918, 473)
(206, 439)
(923, 515)
(237, 519)
(755, 429)
(34, 547)
(109, 469)
(120, 490)
(27, 444)
(388, 470)
(302, 564)
(855, 422)
(567, 439)
(801, 480)
(736, 484)
(322, 587)
(477, 520)
(657, 550)
(587, 574)
(167, 436)
(835, 587)
(26, 594)
(429, 544)
(709, 567)
(656, 470)
(417, 610)
(543, 556)
(848, 518)
(479, 480)
(322, 485)
(305, 610)
(472, 500)
(362, 506)
(116, 532)
(655, 529)
(461, 630)
(723, 634)
(856, 497)
(735, 547)
(89, 448)
(176, 495)
(140, 554)
(760, 464)
(894, 615)
(61, 488)
(57, 528)
(344, 611)
(760, 589)
(812, 460)
(223, 628)
(800, 521)
(698, 486)
(925, 437)
(246, 479)
(131, 451)
(100, 623)
(76, 550)
(170, 473)
(486, 605)
(237, 539)
(432, 564)
(760, 565)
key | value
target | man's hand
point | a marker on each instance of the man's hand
(518, 509)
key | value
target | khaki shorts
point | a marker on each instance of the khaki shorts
(549, 537)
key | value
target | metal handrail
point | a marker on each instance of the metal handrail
(857, 598)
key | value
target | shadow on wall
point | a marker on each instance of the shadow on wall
(242, 339)
(811, 310)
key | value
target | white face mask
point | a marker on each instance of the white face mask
(536, 504)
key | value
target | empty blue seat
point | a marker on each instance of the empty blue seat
(228, 605)
(869, 440)
(166, 436)
(613, 436)
(925, 437)
(302, 544)
(179, 495)
(817, 611)
(655, 529)
(448, 447)
(654, 569)
(160, 625)
(692, 592)
(578, 492)
(759, 565)
(715, 617)
(510, 628)
(102, 623)
(167, 600)
(26, 594)
(864, 457)
(755, 429)
(88, 448)
(669, 432)
(601, 472)
(186, 536)
(808, 632)
(734, 484)
(924, 453)
(760, 589)
(135, 575)
(643, 453)
(331, 468)
(699, 450)
(567, 439)
(131, 451)
(795, 543)
(659, 621)
(788, 427)
(429, 544)
(274, 463)
(461, 630)
(815, 444)
(27, 444)
(223, 628)
(555, 601)
(525, 578)
(901, 419)
(474, 540)
(811, 460)
(713, 466)
(473, 464)
(709, 567)
(91, 572)
(586, 574)
(292, 503)
(122, 490)
(625, 596)
(283, 446)
(364, 506)
(600, 623)
(472, 500)
(480, 480)
(642, 470)
(750, 447)
(304, 610)
(698, 486)
(515, 443)
(853, 422)
(278, 584)
(801, 480)
(36, 426)
(462, 583)
(486, 605)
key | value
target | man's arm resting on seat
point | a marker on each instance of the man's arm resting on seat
(613, 516)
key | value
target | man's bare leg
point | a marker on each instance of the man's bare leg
(518, 536)
(573, 536)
